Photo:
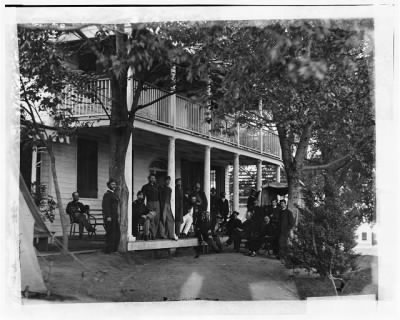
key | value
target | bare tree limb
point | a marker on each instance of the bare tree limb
(330, 165)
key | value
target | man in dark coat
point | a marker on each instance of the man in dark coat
(273, 213)
(213, 207)
(201, 197)
(255, 229)
(167, 222)
(178, 205)
(77, 211)
(152, 196)
(287, 223)
(223, 206)
(251, 199)
(141, 215)
(233, 226)
(201, 223)
(110, 206)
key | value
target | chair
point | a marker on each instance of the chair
(74, 224)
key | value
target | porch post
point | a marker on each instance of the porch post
(278, 173)
(260, 108)
(129, 184)
(171, 171)
(259, 178)
(227, 191)
(236, 182)
(32, 187)
(207, 171)
(172, 99)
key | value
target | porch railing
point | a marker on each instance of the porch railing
(189, 116)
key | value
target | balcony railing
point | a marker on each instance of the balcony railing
(189, 117)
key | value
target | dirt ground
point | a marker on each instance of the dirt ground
(134, 276)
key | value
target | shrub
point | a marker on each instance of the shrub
(324, 238)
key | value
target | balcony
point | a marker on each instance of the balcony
(185, 117)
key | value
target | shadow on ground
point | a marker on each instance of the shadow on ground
(145, 276)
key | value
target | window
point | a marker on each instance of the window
(87, 160)
(364, 236)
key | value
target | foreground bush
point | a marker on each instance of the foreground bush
(324, 239)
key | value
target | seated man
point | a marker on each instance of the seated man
(76, 211)
(188, 217)
(233, 223)
(257, 236)
(217, 232)
(141, 215)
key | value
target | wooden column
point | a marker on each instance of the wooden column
(259, 178)
(129, 184)
(236, 182)
(172, 99)
(278, 174)
(32, 187)
(260, 107)
(171, 171)
(207, 171)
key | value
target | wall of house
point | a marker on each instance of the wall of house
(66, 166)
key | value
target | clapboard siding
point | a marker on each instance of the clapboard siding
(66, 166)
(65, 155)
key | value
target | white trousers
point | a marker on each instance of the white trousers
(186, 224)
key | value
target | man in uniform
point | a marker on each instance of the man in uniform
(110, 206)
(77, 212)
(152, 195)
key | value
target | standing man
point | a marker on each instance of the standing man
(110, 206)
(167, 223)
(213, 207)
(76, 210)
(223, 206)
(274, 216)
(201, 197)
(152, 196)
(286, 225)
(178, 205)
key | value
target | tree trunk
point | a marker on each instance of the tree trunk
(295, 197)
(63, 217)
(120, 134)
(119, 140)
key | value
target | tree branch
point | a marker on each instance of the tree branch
(333, 165)
(303, 144)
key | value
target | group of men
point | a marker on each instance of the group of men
(152, 210)
(269, 225)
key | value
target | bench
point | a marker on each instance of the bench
(41, 240)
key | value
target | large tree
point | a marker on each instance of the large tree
(314, 79)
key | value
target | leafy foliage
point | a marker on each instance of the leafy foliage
(325, 237)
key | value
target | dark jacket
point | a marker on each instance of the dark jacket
(275, 218)
(165, 196)
(110, 205)
(286, 221)
(139, 209)
(75, 207)
(202, 198)
(223, 207)
(179, 204)
(151, 192)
